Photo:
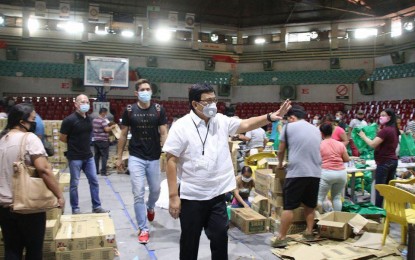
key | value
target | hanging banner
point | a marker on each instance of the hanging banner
(189, 20)
(40, 8)
(153, 13)
(93, 12)
(64, 9)
(173, 19)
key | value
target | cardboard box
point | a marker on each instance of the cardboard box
(163, 162)
(249, 221)
(101, 233)
(340, 225)
(373, 226)
(64, 181)
(89, 254)
(276, 199)
(268, 178)
(54, 213)
(83, 217)
(268, 163)
(49, 246)
(116, 131)
(71, 236)
(298, 213)
(260, 204)
(295, 228)
(52, 226)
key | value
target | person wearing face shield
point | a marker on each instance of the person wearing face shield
(76, 131)
(148, 125)
(198, 155)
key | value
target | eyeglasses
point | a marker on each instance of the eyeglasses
(209, 101)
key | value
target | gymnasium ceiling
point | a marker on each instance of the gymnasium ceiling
(245, 13)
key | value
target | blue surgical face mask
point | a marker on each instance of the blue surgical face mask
(144, 96)
(84, 108)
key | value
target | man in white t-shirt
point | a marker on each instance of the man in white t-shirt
(358, 121)
(198, 154)
(256, 138)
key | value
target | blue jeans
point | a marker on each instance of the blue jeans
(88, 166)
(384, 173)
(139, 171)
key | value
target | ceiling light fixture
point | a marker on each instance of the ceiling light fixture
(260, 40)
(313, 35)
(33, 24)
(408, 26)
(163, 35)
(214, 37)
(127, 34)
(71, 27)
(2, 20)
(364, 33)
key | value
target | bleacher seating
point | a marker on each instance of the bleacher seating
(56, 108)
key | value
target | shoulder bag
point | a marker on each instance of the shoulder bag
(30, 193)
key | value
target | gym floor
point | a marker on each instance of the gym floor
(116, 195)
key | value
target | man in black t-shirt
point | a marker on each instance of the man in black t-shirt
(76, 131)
(148, 125)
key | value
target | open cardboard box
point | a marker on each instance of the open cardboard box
(340, 225)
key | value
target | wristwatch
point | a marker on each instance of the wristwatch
(269, 118)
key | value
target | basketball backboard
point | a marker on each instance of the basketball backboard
(98, 68)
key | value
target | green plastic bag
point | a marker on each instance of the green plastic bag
(406, 145)
(366, 152)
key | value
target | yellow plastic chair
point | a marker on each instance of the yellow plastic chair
(358, 175)
(395, 203)
(408, 181)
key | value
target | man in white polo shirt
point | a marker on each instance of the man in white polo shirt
(198, 155)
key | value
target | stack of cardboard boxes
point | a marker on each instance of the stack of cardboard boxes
(233, 148)
(85, 236)
(52, 129)
(269, 183)
(52, 226)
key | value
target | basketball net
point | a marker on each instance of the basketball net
(107, 83)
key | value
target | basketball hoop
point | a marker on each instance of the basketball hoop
(107, 83)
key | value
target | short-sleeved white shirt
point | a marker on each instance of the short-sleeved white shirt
(9, 153)
(257, 137)
(203, 176)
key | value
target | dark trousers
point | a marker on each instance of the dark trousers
(101, 149)
(384, 173)
(22, 231)
(210, 215)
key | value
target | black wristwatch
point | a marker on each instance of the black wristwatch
(269, 118)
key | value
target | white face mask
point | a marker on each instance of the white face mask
(315, 121)
(244, 179)
(210, 110)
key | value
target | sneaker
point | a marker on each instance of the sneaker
(151, 214)
(309, 237)
(143, 238)
(76, 211)
(100, 210)
(279, 243)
